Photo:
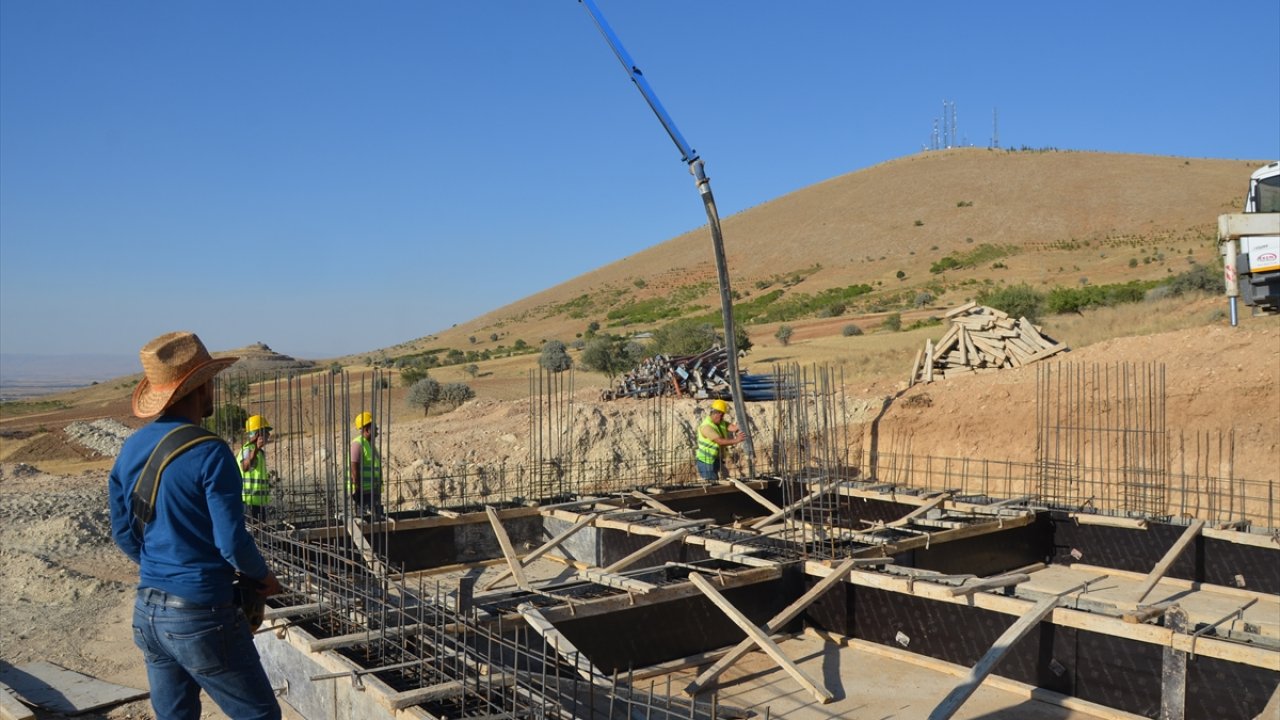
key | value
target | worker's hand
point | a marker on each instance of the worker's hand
(269, 585)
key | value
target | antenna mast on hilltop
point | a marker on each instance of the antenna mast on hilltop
(995, 128)
(955, 135)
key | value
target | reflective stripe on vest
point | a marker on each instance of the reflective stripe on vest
(708, 450)
(255, 489)
(370, 469)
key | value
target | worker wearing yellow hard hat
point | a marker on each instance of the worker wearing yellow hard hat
(255, 482)
(714, 434)
(364, 479)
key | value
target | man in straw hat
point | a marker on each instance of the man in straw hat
(189, 541)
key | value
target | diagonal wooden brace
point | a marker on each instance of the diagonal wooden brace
(760, 638)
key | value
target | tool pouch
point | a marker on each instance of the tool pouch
(246, 596)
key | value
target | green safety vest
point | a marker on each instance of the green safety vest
(708, 450)
(370, 470)
(256, 489)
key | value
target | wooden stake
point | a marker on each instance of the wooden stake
(1173, 684)
(545, 548)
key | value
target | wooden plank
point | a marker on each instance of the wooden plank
(1047, 352)
(517, 571)
(652, 502)
(1162, 567)
(561, 644)
(1003, 644)
(915, 368)
(647, 550)
(922, 510)
(928, 361)
(1109, 521)
(291, 611)
(543, 549)
(356, 533)
(63, 691)
(959, 310)
(778, 622)
(822, 490)
(11, 708)
(751, 493)
(819, 693)
(620, 582)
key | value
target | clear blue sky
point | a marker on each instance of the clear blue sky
(333, 177)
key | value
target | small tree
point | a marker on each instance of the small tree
(606, 354)
(893, 323)
(555, 357)
(472, 369)
(411, 374)
(851, 330)
(784, 334)
(456, 393)
(424, 394)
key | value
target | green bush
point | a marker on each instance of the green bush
(1017, 300)
(784, 334)
(555, 357)
(1201, 278)
(851, 330)
(893, 323)
(695, 335)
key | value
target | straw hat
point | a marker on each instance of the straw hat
(175, 364)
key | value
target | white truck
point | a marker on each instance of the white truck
(1250, 244)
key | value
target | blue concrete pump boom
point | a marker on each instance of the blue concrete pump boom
(690, 156)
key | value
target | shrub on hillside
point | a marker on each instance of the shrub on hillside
(610, 355)
(784, 334)
(893, 323)
(693, 336)
(1017, 300)
(851, 330)
(1201, 278)
(456, 393)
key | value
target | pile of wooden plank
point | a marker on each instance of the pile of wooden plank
(981, 339)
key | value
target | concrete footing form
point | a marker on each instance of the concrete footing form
(811, 590)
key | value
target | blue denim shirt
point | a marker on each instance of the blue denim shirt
(197, 540)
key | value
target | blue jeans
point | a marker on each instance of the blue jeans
(708, 472)
(189, 647)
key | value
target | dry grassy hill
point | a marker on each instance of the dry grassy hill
(1056, 217)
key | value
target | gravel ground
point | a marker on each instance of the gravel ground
(104, 437)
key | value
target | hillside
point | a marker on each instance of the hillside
(1048, 219)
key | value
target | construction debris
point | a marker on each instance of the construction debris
(705, 375)
(981, 339)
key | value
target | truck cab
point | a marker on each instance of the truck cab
(1250, 244)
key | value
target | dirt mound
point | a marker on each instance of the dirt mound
(259, 359)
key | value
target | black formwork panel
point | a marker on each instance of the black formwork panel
(430, 547)
(647, 635)
(1208, 560)
(1112, 671)
(990, 554)
(617, 544)
(723, 507)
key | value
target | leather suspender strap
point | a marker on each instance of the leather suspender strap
(176, 442)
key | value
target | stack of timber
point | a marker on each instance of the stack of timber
(705, 375)
(981, 339)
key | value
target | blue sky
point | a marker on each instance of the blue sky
(333, 177)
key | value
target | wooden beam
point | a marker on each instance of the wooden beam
(647, 550)
(517, 571)
(561, 644)
(778, 622)
(819, 693)
(11, 708)
(1162, 567)
(751, 493)
(651, 502)
(1003, 644)
(358, 539)
(822, 490)
(543, 549)
(620, 582)
(923, 509)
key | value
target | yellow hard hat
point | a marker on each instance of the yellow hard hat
(363, 419)
(256, 423)
(719, 406)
